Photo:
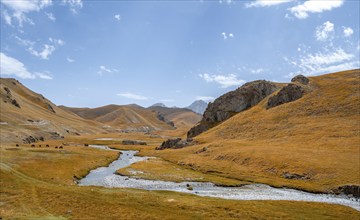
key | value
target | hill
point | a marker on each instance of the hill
(26, 116)
(311, 143)
(126, 117)
(181, 117)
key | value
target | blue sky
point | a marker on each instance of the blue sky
(93, 53)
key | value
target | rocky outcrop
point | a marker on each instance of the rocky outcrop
(174, 144)
(163, 119)
(132, 142)
(31, 139)
(49, 107)
(301, 79)
(233, 102)
(295, 176)
(10, 99)
(287, 94)
(353, 190)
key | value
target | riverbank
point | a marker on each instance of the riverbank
(104, 176)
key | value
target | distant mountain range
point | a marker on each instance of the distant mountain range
(198, 106)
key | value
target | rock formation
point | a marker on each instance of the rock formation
(287, 94)
(301, 79)
(174, 144)
(233, 102)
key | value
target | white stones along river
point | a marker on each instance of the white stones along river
(104, 176)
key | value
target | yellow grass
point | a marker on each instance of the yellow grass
(158, 169)
(316, 136)
(38, 184)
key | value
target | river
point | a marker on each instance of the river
(104, 176)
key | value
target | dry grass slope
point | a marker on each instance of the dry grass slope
(36, 115)
(316, 136)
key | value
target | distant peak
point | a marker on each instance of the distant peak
(198, 106)
(159, 105)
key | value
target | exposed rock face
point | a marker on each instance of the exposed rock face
(50, 107)
(174, 144)
(353, 190)
(10, 98)
(301, 79)
(233, 102)
(132, 142)
(295, 176)
(31, 139)
(162, 118)
(287, 94)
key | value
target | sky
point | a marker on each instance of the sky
(82, 53)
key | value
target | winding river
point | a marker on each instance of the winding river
(104, 176)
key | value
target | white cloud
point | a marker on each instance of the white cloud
(43, 75)
(20, 8)
(224, 80)
(348, 31)
(104, 69)
(226, 36)
(324, 31)
(7, 18)
(70, 60)
(265, 3)
(228, 2)
(313, 64)
(75, 5)
(205, 98)
(24, 42)
(132, 96)
(257, 71)
(27, 6)
(58, 42)
(314, 6)
(50, 16)
(117, 17)
(45, 51)
(13, 67)
(252, 70)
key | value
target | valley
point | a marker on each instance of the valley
(308, 142)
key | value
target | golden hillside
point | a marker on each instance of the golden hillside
(312, 143)
(25, 113)
(182, 117)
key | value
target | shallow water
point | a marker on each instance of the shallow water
(104, 176)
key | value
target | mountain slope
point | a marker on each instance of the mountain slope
(198, 106)
(181, 117)
(311, 143)
(130, 117)
(25, 113)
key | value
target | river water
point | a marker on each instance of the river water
(104, 176)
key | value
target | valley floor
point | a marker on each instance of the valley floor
(40, 182)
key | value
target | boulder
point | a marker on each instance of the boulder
(296, 176)
(353, 190)
(300, 79)
(174, 144)
(287, 94)
(132, 142)
(233, 102)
